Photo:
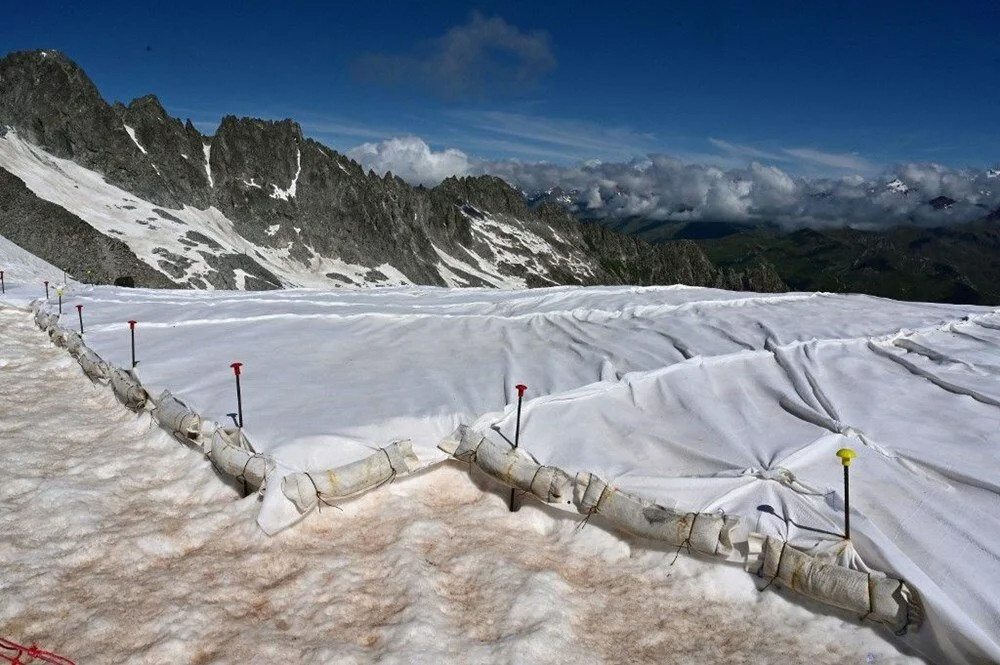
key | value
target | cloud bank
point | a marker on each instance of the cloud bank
(485, 56)
(665, 188)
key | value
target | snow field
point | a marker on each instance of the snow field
(698, 399)
(120, 546)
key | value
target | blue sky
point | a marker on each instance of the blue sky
(814, 88)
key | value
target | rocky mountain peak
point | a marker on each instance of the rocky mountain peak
(258, 205)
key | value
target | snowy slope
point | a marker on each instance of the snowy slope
(23, 271)
(156, 235)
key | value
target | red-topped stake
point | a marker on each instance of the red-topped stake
(237, 370)
(521, 388)
(79, 311)
(131, 326)
(46, 283)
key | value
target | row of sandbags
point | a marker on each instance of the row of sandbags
(871, 595)
(228, 447)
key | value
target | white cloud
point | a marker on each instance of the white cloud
(664, 187)
(412, 159)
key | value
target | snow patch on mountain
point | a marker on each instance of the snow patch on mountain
(131, 132)
(897, 186)
(285, 194)
(207, 148)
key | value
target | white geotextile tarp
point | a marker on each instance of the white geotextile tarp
(712, 402)
(754, 434)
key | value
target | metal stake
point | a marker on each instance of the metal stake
(59, 293)
(3, 287)
(46, 289)
(846, 455)
(517, 436)
(131, 325)
(239, 395)
(79, 311)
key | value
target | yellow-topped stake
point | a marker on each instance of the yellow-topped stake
(846, 455)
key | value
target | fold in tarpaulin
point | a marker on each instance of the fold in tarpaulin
(684, 401)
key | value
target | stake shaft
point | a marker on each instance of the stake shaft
(79, 311)
(239, 401)
(847, 503)
(133, 347)
(517, 439)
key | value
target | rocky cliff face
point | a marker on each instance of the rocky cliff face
(283, 208)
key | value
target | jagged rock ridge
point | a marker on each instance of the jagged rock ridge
(258, 205)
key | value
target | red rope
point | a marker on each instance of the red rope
(32, 652)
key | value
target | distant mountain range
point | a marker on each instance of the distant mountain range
(133, 195)
(940, 259)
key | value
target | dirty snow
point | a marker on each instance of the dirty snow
(121, 546)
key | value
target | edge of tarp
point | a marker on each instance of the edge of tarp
(874, 595)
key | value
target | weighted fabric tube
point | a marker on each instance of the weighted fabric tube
(708, 533)
(233, 456)
(177, 418)
(873, 596)
(127, 389)
(514, 467)
(305, 490)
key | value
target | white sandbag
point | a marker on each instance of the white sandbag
(46, 320)
(305, 490)
(41, 317)
(127, 388)
(233, 456)
(514, 467)
(58, 335)
(708, 533)
(92, 365)
(177, 418)
(74, 343)
(871, 595)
